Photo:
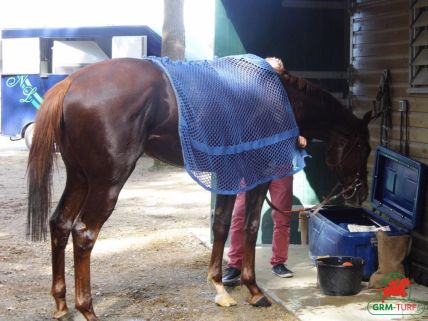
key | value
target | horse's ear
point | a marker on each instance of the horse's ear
(367, 117)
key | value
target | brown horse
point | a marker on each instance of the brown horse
(104, 117)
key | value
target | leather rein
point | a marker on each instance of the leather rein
(331, 197)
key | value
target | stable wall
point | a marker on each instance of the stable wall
(311, 37)
(380, 40)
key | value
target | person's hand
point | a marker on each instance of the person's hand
(302, 142)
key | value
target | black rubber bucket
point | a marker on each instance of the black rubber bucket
(340, 275)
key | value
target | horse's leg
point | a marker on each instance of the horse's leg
(99, 204)
(60, 227)
(253, 206)
(222, 216)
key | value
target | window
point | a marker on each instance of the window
(418, 72)
(21, 56)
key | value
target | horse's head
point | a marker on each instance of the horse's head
(347, 156)
(320, 115)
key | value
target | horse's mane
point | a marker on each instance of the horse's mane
(332, 105)
(300, 83)
(304, 85)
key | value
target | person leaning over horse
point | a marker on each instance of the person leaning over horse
(281, 191)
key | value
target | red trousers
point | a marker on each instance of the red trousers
(281, 193)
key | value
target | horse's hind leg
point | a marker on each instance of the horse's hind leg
(60, 227)
(253, 205)
(221, 224)
(99, 204)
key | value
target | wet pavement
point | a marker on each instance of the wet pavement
(302, 296)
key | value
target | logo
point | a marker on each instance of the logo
(395, 298)
(29, 92)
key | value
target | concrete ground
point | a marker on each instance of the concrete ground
(301, 296)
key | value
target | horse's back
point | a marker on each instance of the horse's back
(112, 83)
(111, 106)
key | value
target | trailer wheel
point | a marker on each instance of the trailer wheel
(28, 135)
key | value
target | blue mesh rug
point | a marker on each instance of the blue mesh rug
(236, 125)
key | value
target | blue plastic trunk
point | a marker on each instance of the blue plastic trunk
(397, 201)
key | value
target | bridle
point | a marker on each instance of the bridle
(353, 188)
(347, 192)
(336, 167)
(340, 162)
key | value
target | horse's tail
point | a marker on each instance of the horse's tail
(41, 157)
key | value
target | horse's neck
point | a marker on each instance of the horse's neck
(317, 114)
(315, 121)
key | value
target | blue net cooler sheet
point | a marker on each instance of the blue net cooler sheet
(236, 124)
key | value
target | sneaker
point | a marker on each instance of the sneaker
(282, 271)
(231, 276)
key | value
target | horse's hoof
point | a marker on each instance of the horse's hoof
(224, 300)
(261, 302)
(64, 317)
